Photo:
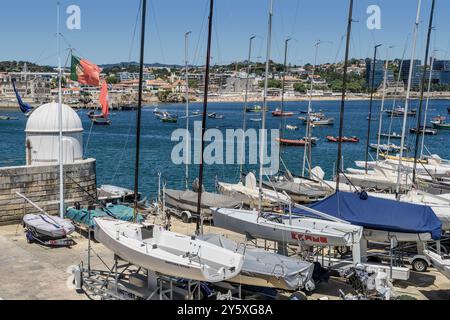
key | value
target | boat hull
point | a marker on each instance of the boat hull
(152, 257)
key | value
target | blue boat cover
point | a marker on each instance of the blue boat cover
(86, 217)
(380, 214)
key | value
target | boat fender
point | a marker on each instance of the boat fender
(363, 195)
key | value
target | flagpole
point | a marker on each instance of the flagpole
(60, 160)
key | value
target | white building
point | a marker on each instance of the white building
(42, 136)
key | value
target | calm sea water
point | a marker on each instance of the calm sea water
(114, 146)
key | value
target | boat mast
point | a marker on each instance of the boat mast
(369, 119)
(186, 86)
(408, 93)
(283, 78)
(60, 117)
(426, 105)
(263, 125)
(199, 220)
(308, 120)
(422, 89)
(382, 102)
(344, 89)
(138, 113)
(244, 125)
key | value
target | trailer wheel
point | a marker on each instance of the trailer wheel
(419, 265)
(185, 218)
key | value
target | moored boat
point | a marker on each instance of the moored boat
(44, 225)
(279, 113)
(426, 130)
(343, 139)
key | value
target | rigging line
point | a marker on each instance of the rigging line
(133, 37)
(130, 123)
(196, 57)
(157, 31)
(294, 25)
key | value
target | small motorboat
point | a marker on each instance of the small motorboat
(8, 118)
(151, 247)
(439, 123)
(195, 113)
(290, 142)
(387, 147)
(290, 127)
(400, 112)
(427, 130)
(101, 121)
(215, 116)
(318, 119)
(255, 119)
(92, 115)
(255, 108)
(393, 135)
(353, 139)
(168, 117)
(44, 226)
(279, 113)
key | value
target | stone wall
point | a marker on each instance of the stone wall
(40, 184)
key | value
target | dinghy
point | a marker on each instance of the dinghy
(152, 247)
(279, 113)
(267, 269)
(46, 226)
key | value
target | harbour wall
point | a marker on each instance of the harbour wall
(40, 184)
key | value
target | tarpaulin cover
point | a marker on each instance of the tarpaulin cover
(86, 217)
(379, 214)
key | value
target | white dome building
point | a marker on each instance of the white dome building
(42, 135)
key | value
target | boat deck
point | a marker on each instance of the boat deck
(30, 271)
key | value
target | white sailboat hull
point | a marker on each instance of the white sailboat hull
(307, 231)
(167, 252)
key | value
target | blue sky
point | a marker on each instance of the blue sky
(28, 29)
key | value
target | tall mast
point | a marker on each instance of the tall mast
(408, 93)
(308, 120)
(283, 79)
(369, 119)
(422, 89)
(244, 124)
(139, 107)
(263, 125)
(426, 105)
(60, 117)
(382, 102)
(199, 221)
(186, 86)
(344, 89)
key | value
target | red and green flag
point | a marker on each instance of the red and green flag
(85, 72)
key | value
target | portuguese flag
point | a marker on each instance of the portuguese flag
(84, 72)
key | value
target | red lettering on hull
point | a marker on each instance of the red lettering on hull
(307, 237)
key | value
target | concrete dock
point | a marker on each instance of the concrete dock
(31, 271)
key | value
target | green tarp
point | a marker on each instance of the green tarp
(86, 217)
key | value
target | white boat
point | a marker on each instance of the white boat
(440, 262)
(387, 147)
(288, 230)
(249, 193)
(44, 225)
(267, 269)
(152, 247)
(378, 179)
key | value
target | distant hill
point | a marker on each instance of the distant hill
(18, 66)
(133, 66)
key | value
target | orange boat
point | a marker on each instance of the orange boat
(295, 143)
(343, 139)
(279, 113)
